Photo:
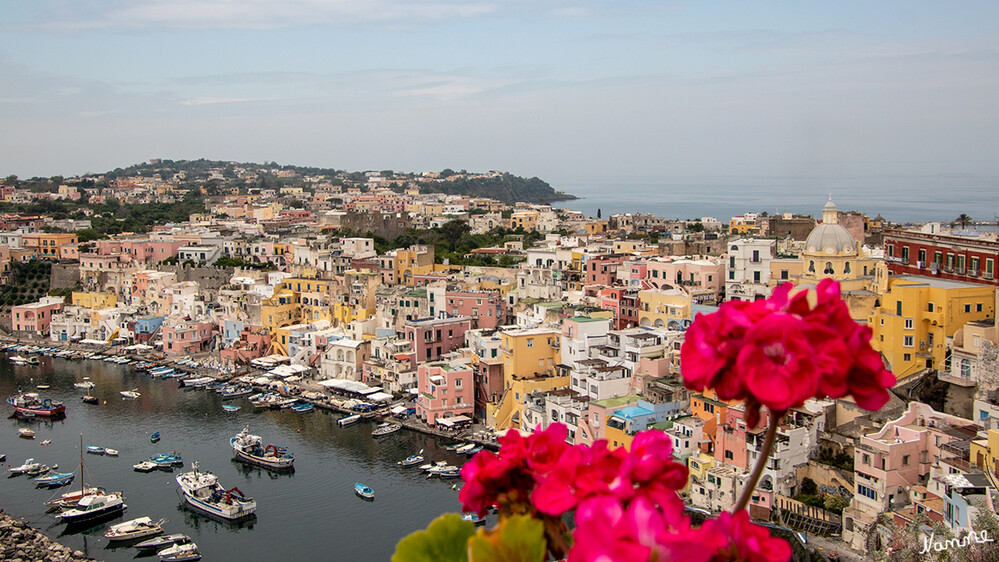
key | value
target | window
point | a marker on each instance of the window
(866, 459)
(974, 265)
(756, 256)
(731, 275)
(930, 307)
(905, 460)
(978, 307)
(905, 254)
(530, 342)
(906, 357)
(989, 264)
(965, 368)
(967, 308)
(829, 268)
(908, 323)
(756, 276)
(922, 257)
(729, 455)
(898, 308)
(867, 492)
(731, 261)
(785, 274)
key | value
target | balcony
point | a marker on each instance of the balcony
(973, 273)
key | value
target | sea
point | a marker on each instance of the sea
(899, 198)
(309, 514)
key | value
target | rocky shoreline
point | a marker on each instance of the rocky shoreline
(21, 543)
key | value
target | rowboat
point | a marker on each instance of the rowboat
(134, 393)
(25, 433)
(364, 491)
(163, 541)
(229, 408)
(385, 429)
(145, 466)
(95, 450)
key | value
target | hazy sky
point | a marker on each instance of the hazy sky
(557, 89)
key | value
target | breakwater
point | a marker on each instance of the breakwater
(19, 542)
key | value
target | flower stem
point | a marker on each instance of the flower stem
(555, 531)
(761, 462)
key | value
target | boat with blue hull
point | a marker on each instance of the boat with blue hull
(29, 403)
(203, 492)
(364, 491)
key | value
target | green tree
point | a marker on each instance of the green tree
(964, 220)
(809, 487)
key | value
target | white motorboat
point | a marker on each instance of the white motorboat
(28, 465)
(134, 529)
(250, 448)
(91, 507)
(180, 553)
(84, 385)
(385, 429)
(203, 492)
(163, 541)
(145, 466)
(134, 393)
(465, 448)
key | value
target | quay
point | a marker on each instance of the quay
(301, 390)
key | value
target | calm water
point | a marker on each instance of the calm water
(311, 514)
(897, 198)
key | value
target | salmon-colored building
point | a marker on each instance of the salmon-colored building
(445, 392)
(35, 317)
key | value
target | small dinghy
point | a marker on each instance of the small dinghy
(364, 491)
(180, 553)
(163, 541)
(230, 408)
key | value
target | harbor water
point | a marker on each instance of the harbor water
(309, 514)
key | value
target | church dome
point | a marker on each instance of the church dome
(830, 237)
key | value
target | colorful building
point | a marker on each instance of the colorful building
(445, 392)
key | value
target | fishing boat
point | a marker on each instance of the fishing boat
(131, 394)
(249, 448)
(203, 492)
(235, 392)
(163, 541)
(385, 429)
(155, 437)
(135, 529)
(229, 408)
(180, 553)
(95, 450)
(54, 480)
(90, 399)
(411, 460)
(348, 420)
(364, 491)
(145, 466)
(24, 468)
(25, 433)
(86, 385)
(303, 408)
(31, 403)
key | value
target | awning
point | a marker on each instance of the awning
(138, 347)
(94, 342)
(450, 422)
(379, 397)
(399, 410)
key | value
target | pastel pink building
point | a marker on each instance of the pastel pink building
(693, 274)
(602, 269)
(35, 317)
(433, 337)
(445, 391)
(254, 342)
(730, 439)
(187, 338)
(485, 308)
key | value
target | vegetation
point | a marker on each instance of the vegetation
(839, 460)
(505, 187)
(29, 281)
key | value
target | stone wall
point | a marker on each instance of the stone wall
(21, 543)
(64, 275)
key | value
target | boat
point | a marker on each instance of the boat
(46, 442)
(92, 507)
(25, 467)
(473, 518)
(385, 429)
(134, 393)
(40, 469)
(364, 491)
(167, 460)
(145, 466)
(31, 403)
(155, 437)
(43, 387)
(472, 452)
(235, 392)
(411, 460)
(90, 399)
(465, 448)
(229, 408)
(163, 541)
(135, 529)
(19, 360)
(348, 420)
(203, 492)
(196, 382)
(179, 553)
(443, 470)
(87, 385)
(454, 446)
(54, 480)
(249, 448)
(69, 499)
(25, 433)
(111, 452)
(95, 450)
(303, 408)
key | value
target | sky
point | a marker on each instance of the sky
(555, 89)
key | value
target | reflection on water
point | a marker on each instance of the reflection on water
(302, 515)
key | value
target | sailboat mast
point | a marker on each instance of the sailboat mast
(82, 486)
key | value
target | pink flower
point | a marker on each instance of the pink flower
(742, 540)
(545, 448)
(776, 362)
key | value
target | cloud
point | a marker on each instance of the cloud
(249, 14)
(210, 101)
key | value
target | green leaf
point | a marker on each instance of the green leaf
(445, 540)
(520, 538)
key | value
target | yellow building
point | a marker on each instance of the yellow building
(597, 227)
(296, 300)
(742, 225)
(95, 300)
(415, 260)
(664, 308)
(985, 454)
(47, 244)
(916, 316)
(526, 219)
(529, 361)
